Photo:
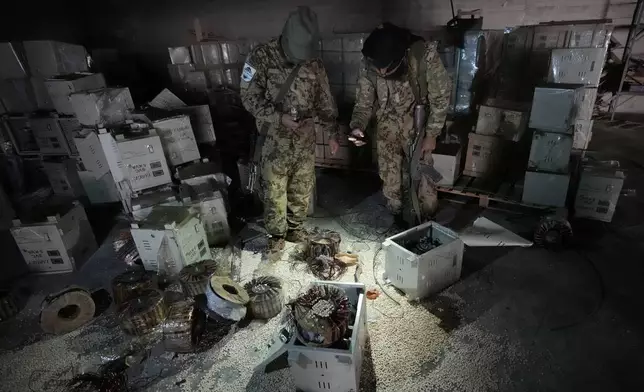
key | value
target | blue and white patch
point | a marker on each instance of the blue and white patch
(248, 73)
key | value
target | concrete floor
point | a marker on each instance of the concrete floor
(518, 320)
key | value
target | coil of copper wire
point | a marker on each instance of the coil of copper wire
(141, 315)
(321, 315)
(266, 296)
(130, 284)
(194, 277)
(182, 327)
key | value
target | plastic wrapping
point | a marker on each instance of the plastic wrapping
(550, 152)
(178, 72)
(467, 69)
(583, 134)
(108, 106)
(125, 248)
(556, 107)
(180, 55)
(59, 89)
(576, 66)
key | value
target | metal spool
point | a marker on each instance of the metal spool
(321, 315)
(266, 296)
(142, 314)
(194, 277)
(227, 298)
(552, 232)
(182, 327)
(8, 305)
(324, 243)
(67, 310)
(130, 284)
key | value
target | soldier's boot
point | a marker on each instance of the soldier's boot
(275, 248)
(297, 236)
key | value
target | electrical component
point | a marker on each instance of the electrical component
(552, 232)
(194, 278)
(227, 298)
(130, 284)
(142, 314)
(182, 327)
(266, 296)
(321, 315)
(66, 310)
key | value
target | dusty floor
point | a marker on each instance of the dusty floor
(518, 320)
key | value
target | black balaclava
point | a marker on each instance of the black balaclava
(387, 46)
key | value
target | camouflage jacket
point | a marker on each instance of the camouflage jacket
(394, 99)
(263, 75)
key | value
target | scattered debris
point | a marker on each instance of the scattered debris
(266, 297)
(66, 310)
(373, 294)
(348, 259)
(484, 232)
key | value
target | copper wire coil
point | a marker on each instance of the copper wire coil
(8, 305)
(321, 315)
(194, 277)
(125, 248)
(141, 315)
(130, 284)
(182, 327)
(66, 310)
(266, 296)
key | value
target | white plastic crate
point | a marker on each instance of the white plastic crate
(329, 369)
(419, 275)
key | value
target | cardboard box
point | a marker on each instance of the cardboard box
(509, 124)
(546, 189)
(201, 122)
(63, 177)
(587, 105)
(105, 106)
(21, 135)
(576, 66)
(169, 239)
(41, 95)
(49, 136)
(12, 62)
(598, 193)
(143, 162)
(59, 244)
(71, 127)
(550, 152)
(447, 161)
(61, 87)
(143, 204)
(484, 154)
(17, 96)
(214, 216)
(178, 140)
(92, 153)
(99, 190)
(51, 58)
(556, 107)
(583, 134)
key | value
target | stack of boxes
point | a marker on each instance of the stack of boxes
(600, 186)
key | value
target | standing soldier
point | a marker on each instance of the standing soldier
(285, 86)
(401, 71)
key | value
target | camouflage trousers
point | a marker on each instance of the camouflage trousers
(393, 167)
(288, 178)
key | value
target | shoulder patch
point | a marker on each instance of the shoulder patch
(248, 72)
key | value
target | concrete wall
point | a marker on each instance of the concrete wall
(497, 14)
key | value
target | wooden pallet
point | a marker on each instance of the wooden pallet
(490, 192)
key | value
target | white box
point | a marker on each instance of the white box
(49, 136)
(41, 95)
(71, 128)
(419, 275)
(17, 96)
(484, 155)
(598, 193)
(105, 106)
(550, 152)
(178, 140)
(50, 58)
(576, 66)
(169, 239)
(91, 152)
(587, 104)
(583, 134)
(143, 162)
(21, 135)
(507, 123)
(447, 161)
(214, 216)
(12, 64)
(60, 88)
(60, 244)
(99, 190)
(328, 369)
(201, 121)
(546, 189)
(142, 204)
(63, 177)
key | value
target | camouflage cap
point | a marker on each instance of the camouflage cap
(300, 35)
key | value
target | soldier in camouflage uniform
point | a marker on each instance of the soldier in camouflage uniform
(288, 153)
(386, 83)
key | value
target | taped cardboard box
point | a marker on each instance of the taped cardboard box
(21, 135)
(485, 153)
(63, 177)
(99, 190)
(576, 66)
(598, 193)
(213, 214)
(178, 139)
(17, 96)
(142, 161)
(60, 88)
(106, 106)
(509, 124)
(92, 153)
(546, 189)
(447, 161)
(50, 136)
(550, 152)
(51, 58)
(201, 121)
(58, 244)
(556, 107)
